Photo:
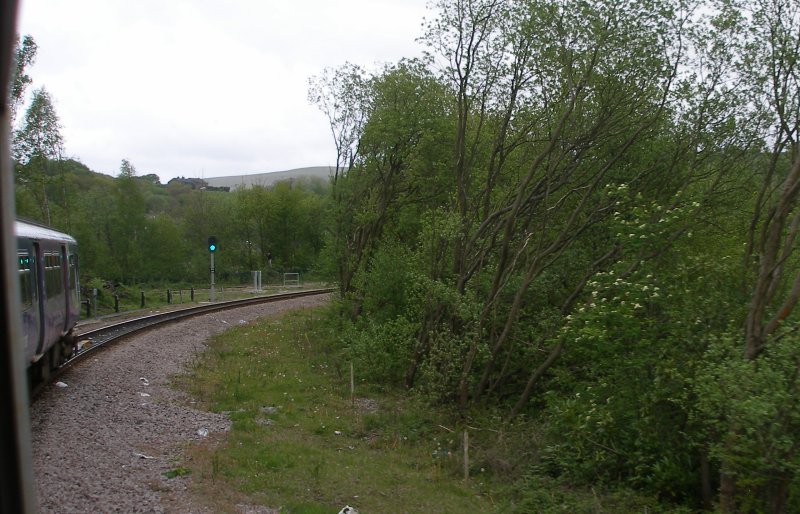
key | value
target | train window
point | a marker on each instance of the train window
(25, 282)
(52, 274)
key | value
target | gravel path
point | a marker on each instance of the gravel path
(103, 442)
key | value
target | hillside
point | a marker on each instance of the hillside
(267, 179)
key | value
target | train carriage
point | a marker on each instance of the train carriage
(50, 295)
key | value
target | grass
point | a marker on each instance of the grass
(177, 472)
(298, 443)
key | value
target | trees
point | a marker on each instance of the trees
(284, 220)
(340, 94)
(571, 210)
(127, 225)
(24, 55)
(400, 141)
(35, 145)
(756, 471)
(126, 169)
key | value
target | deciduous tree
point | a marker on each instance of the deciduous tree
(36, 144)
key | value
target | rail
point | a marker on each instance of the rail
(92, 340)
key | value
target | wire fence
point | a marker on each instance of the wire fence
(101, 302)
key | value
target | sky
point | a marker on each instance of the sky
(204, 88)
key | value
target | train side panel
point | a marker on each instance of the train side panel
(50, 298)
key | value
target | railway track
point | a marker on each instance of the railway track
(92, 340)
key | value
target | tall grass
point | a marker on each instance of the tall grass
(299, 443)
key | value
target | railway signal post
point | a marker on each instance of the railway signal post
(212, 248)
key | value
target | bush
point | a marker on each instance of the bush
(381, 352)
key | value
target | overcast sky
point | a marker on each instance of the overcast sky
(204, 88)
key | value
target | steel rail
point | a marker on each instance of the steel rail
(93, 340)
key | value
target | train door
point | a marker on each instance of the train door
(29, 298)
(38, 281)
(73, 286)
(53, 303)
(65, 282)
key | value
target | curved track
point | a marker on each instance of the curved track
(98, 338)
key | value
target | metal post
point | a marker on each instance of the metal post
(94, 298)
(211, 293)
(255, 281)
(180, 295)
(259, 280)
(116, 302)
(142, 299)
(191, 293)
(169, 296)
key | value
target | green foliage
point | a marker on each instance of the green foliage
(177, 472)
(583, 206)
(750, 415)
(35, 145)
(24, 56)
(620, 404)
(543, 494)
(285, 221)
(299, 444)
(381, 351)
(386, 283)
(134, 230)
(40, 134)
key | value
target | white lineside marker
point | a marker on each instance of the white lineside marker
(466, 454)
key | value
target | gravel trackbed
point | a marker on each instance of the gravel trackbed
(104, 442)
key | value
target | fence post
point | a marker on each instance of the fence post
(169, 296)
(116, 302)
(191, 293)
(466, 454)
(142, 299)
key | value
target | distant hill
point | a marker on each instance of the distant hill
(267, 179)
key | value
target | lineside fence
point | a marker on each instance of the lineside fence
(99, 302)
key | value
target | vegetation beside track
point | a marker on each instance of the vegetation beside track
(299, 443)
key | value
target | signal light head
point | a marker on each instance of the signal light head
(212, 244)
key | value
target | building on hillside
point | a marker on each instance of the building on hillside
(268, 179)
(198, 183)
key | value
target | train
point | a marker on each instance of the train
(49, 295)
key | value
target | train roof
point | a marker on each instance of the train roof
(41, 232)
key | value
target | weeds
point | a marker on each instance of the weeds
(298, 443)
